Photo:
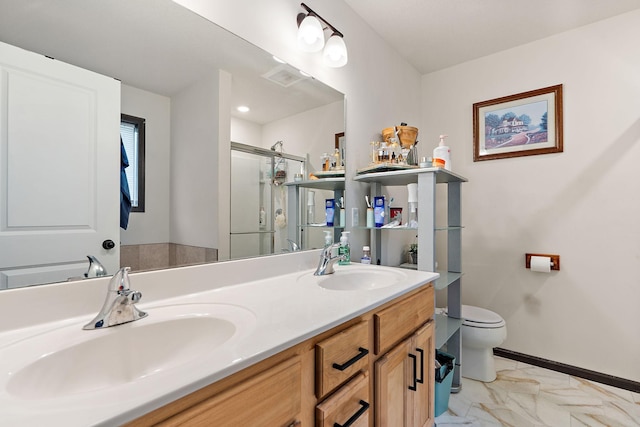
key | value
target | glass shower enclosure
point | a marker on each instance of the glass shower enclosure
(259, 200)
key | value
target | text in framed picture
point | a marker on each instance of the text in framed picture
(523, 124)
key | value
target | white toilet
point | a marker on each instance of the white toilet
(482, 330)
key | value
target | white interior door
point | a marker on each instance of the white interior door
(59, 169)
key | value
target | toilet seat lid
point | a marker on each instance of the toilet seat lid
(480, 317)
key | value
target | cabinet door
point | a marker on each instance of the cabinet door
(392, 373)
(404, 382)
(420, 409)
(270, 399)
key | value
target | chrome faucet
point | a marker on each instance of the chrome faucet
(293, 246)
(96, 269)
(327, 260)
(119, 305)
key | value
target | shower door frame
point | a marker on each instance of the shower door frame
(272, 155)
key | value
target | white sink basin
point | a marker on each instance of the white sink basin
(357, 278)
(70, 360)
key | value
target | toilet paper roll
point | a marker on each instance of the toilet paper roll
(541, 264)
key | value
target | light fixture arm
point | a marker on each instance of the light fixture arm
(310, 11)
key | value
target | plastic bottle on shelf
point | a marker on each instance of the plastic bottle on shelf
(328, 238)
(366, 255)
(442, 155)
(344, 249)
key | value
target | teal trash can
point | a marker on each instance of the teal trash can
(444, 378)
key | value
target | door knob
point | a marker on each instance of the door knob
(108, 244)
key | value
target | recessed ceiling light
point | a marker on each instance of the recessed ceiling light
(243, 109)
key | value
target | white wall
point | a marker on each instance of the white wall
(152, 225)
(582, 204)
(381, 88)
(246, 132)
(194, 160)
(309, 133)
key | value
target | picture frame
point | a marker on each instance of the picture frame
(340, 141)
(524, 124)
(340, 146)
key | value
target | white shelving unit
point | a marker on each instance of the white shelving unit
(447, 327)
(296, 207)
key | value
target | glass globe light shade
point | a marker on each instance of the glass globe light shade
(310, 35)
(335, 52)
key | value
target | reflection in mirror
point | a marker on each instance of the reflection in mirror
(165, 61)
(259, 199)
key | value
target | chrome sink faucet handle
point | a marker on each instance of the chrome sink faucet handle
(119, 305)
(327, 260)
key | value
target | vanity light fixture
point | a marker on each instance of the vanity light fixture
(311, 38)
(335, 52)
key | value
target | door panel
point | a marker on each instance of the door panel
(59, 168)
(392, 373)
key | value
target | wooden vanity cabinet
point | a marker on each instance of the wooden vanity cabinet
(374, 370)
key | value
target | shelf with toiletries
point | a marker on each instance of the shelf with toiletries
(304, 209)
(423, 183)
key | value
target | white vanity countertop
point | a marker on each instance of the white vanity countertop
(286, 312)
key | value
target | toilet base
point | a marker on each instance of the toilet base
(478, 364)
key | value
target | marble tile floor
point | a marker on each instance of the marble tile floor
(528, 396)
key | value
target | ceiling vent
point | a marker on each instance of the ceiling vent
(284, 75)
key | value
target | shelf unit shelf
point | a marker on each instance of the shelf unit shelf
(295, 197)
(447, 328)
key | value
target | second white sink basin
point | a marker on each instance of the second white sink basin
(358, 278)
(70, 360)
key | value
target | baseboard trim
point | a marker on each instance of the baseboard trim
(575, 371)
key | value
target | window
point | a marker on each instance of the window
(132, 133)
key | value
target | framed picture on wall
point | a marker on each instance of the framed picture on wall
(523, 124)
(340, 145)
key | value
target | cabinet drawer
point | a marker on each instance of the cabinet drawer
(399, 320)
(348, 406)
(271, 398)
(340, 357)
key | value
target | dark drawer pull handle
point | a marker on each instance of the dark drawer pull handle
(421, 379)
(355, 416)
(362, 353)
(414, 387)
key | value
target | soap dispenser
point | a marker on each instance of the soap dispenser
(442, 155)
(344, 249)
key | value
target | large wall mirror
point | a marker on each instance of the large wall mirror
(185, 77)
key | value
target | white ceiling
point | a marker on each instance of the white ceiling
(436, 34)
(158, 46)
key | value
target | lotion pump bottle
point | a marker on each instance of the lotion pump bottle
(344, 249)
(442, 155)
